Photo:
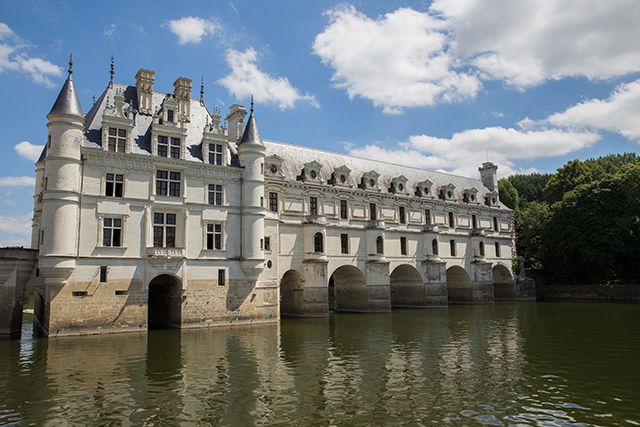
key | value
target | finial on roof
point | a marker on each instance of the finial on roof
(112, 71)
(251, 103)
(70, 71)
(201, 89)
(93, 99)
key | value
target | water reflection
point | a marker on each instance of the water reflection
(496, 364)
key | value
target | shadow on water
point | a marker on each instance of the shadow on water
(501, 364)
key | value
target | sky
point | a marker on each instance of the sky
(442, 85)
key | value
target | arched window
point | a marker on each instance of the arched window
(379, 245)
(497, 249)
(434, 246)
(481, 248)
(318, 242)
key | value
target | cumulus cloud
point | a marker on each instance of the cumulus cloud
(14, 242)
(28, 151)
(17, 181)
(618, 113)
(13, 57)
(460, 153)
(245, 78)
(191, 29)
(20, 224)
(399, 60)
(411, 58)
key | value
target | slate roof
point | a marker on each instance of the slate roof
(294, 156)
(67, 101)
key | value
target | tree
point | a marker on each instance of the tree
(508, 194)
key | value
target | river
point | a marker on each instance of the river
(505, 364)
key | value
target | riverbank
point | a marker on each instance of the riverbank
(590, 293)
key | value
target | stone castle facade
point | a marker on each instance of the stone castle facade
(151, 211)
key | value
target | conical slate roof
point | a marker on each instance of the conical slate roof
(251, 135)
(67, 101)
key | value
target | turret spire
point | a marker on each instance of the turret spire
(251, 103)
(70, 70)
(202, 90)
(67, 101)
(251, 135)
(112, 71)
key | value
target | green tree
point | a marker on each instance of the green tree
(531, 223)
(508, 194)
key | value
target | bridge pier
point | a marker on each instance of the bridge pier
(481, 282)
(435, 284)
(17, 266)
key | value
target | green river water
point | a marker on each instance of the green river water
(504, 364)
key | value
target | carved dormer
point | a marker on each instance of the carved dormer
(369, 181)
(423, 188)
(491, 198)
(470, 195)
(447, 192)
(398, 185)
(117, 125)
(274, 166)
(182, 94)
(341, 176)
(168, 132)
(214, 145)
(311, 172)
(144, 88)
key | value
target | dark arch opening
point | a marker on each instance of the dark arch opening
(458, 286)
(292, 294)
(434, 247)
(348, 290)
(39, 308)
(318, 242)
(379, 245)
(407, 287)
(504, 287)
(164, 308)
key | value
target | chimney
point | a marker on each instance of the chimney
(488, 175)
(234, 122)
(182, 93)
(144, 87)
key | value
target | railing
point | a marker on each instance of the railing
(315, 219)
(165, 252)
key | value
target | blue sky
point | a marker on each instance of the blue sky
(441, 85)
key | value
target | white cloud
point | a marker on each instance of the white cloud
(411, 58)
(399, 60)
(20, 224)
(618, 113)
(28, 151)
(247, 79)
(110, 31)
(17, 181)
(191, 29)
(13, 242)
(14, 58)
(525, 42)
(463, 152)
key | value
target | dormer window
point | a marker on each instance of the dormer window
(470, 196)
(175, 148)
(117, 140)
(311, 171)
(313, 174)
(423, 188)
(170, 116)
(340, 176)
(370, 181)
(491, 198)
(273, 169)
(447, 192)
(274, 165)
(398, 185)
(215, 154)
(163, 146)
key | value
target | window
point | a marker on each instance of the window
(112, 232)
(170, 116)
(313, 206)
(214, 236)
(222, 279)
(273, 202)
(403, 245)
(452, 247)
(267, 243)
(103, 274)
(495, 224)
(114, 185)
(379, 245)
(164, 230)
(215, 154)
(175, 148)
(262, 201)
(451, 220)
(117, 140)
(168, 183)
(318, 243)
(215, 194)
(427, 216)
(434, 246)
(402, 214)
(49, 141)
(344, 209)
(497, 250)
(344, 243)
(373, 211)
(474, 221)
(481, 248)
(163, 146)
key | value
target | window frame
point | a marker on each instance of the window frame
(344, 209)
(215, 196)
(109, 224)
(403, 245)
(344, 243)
(273, 201)
(113, 183)
(168, 188)
(318, 242)
(119, 140)
(402, 215)
(165, 226)
(379, 245)
(452, 247)
(214, 234)
(313, 206)
(215, 157)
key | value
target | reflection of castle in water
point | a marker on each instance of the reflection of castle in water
(351, 368)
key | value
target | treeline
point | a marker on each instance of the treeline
(582, 224)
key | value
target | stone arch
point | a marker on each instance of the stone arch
(164, 303)
(504, 287)
(39, 313)
(348, 289)
(459, 289)
(292, 294)
(407, 287)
